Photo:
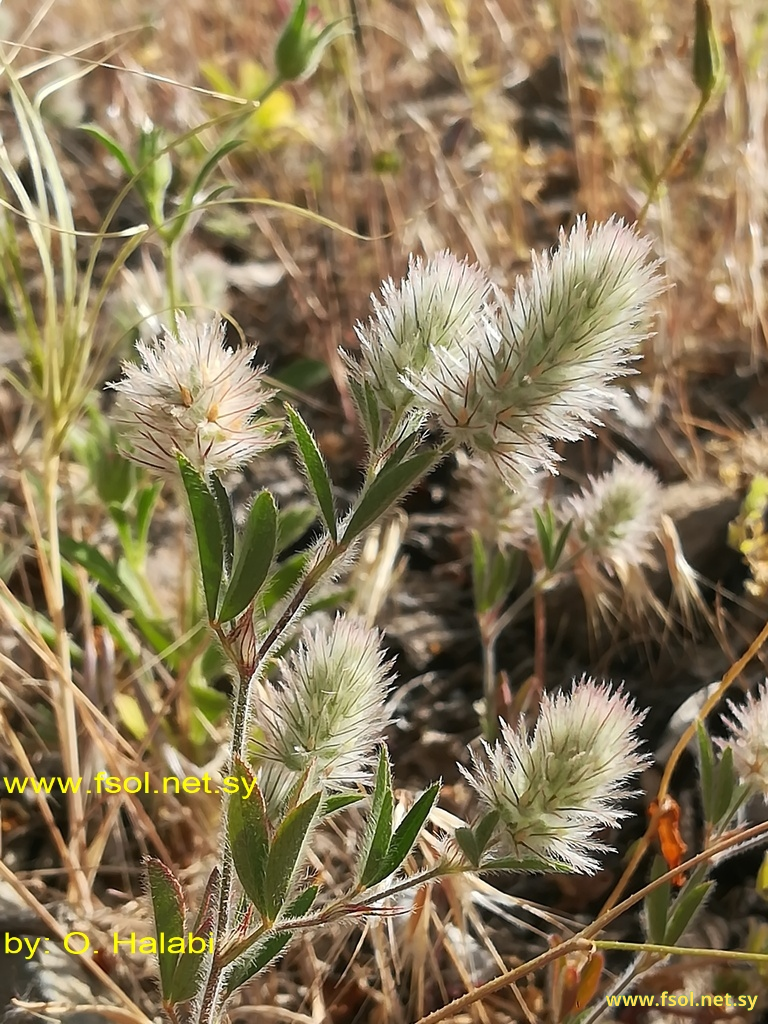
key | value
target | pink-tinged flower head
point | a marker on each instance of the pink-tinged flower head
(544, 371)
(189, 394)
(748, 739)
(440, 306)
(555, 789)
(327, 716)
(617, 515)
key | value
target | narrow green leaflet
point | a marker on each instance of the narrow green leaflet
(402, 449)
(145, 506)
(338, 801)
(465, 839)
(227, 521)
(99, 568)
(686, 905)
(315, 468)
(209, 898)
(485, 829)
(373, 414)
(302, 376)
(496, 584)
(365, 400)
(102, 613)
(254, 557)
(378, 832)
(192, 195)
(479, 571)
(188, 976)
(657, 903)
(282, 580)
(706, 51)
(505, 569)
(285, 855)
(473, 842)
(169, 911)
(407, 833)
(706, 770)
(113, 148)
(255, 960)
(544, 531)
(386, 489)
(210, 545)
(551, 541)
(761, 882)
(563, 536)
(293, 523)
(248, 833)
(725, 786)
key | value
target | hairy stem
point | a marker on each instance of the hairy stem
(346, 906)
(237, 749)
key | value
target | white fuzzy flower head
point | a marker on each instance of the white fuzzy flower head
(749, 739)
(617, 515)
(328, 714)
(440, 306)
(189, 394)
(502, 515)
(544, 374)
(555, 789)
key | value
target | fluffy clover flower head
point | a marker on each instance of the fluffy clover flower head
(617, 515)
(544, 371)
(556, 788)
(748, 739)
(328, 715)
(189, 394)
(440, 306)
(502, 515)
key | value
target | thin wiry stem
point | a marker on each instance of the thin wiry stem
(682, 744)
(62, 696)
(584, 939)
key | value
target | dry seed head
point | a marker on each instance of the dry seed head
(555, 789)
(189, 394)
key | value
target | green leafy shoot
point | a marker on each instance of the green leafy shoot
(315, 468)
(207, 523)
(253, 558)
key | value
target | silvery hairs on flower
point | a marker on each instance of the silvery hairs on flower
(556, 789)
(440, 306)
(501, 515)
(617, 515)
(748, 739)
(327, 715)
(541, 369)
(190, 394)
